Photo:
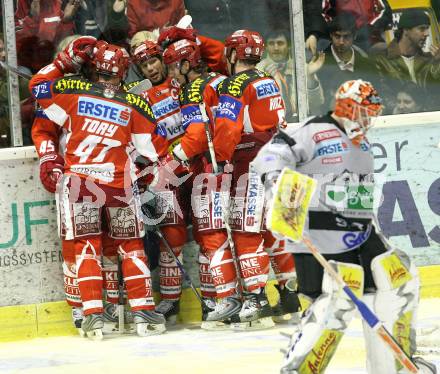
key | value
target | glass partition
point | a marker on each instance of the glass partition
(394, 45)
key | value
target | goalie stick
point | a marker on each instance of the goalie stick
(367, 314)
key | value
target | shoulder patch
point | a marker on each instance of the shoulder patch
(42, 91)
(266, 88)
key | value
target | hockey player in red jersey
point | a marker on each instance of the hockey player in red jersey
(103, 125)
(250, 110)
(164, 100)
(184, 62)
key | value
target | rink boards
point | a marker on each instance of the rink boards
(30, 257)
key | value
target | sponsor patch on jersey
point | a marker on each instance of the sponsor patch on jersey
(164, 107)
(190, 114)
(266, 88)
(104, 110)
(331, 148)
(42, 91)
(228, 107)
(331, 160)
(325, 135)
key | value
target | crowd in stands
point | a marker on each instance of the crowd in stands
(344, 40)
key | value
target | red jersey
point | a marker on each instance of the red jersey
(249, 102)
(164, 101)
(45, 134)
(102, 127)
(200, 90)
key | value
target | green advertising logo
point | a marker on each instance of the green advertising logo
(359, 197)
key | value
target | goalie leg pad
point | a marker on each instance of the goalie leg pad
(395, 304)
(324, 323)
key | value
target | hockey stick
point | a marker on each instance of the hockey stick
(15, 70)
(179, 264)
(296, 234)
(142, 86)
(225, 208)
(121, 323)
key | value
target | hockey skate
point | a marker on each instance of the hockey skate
(111, 318)
(207, 307)
(169, 309)
(255, 313)
(224, 309)
(287, 310)
(148, 322)
(77, 317)
(92, 326)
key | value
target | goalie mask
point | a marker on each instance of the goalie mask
(357, 104)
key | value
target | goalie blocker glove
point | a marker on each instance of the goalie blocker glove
(51, 170)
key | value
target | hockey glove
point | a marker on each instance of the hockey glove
(51, 170)
(75, 54)
(173, 34)
(179, 155)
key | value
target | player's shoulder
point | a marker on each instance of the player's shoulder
(236, 84)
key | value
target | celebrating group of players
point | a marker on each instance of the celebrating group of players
(205, 144)
(117, 143)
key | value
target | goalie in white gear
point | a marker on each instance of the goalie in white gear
(334, 150)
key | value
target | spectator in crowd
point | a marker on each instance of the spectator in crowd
(339, 62)
(404, 60)
(410, 98)
(152, 14)
(279, 64)
(39, 26)
(89, 16)
(372, 18)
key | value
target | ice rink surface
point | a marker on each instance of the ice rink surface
(188, 349)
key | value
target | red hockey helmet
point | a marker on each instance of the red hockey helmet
(146, 50)
(249, 45)
(183, 50)
(110, 59)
